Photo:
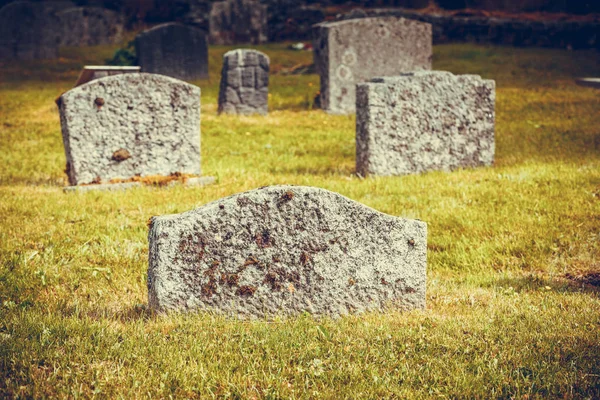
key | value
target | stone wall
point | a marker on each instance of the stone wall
(481, 29)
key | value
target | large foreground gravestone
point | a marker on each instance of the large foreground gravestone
(353, 51)
(424, 121)
(174, 50)
(238, 21)
(129, 125)
(89, 26)
(28, 31)
(283, 250)
(244, 85)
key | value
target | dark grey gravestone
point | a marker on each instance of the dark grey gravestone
(284, 250)
(28, 31)
(244, 82)
(238, 21)
(57, 6)
(356, 50)
(174, 50)
(424, 121)
(128, 125)
(90, 26)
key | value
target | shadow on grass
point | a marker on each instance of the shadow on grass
(586, 283)
(137, 312)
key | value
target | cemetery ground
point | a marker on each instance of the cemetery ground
(513, 307)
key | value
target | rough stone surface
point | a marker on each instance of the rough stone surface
(90, 26)
(238, 21)
(173, 50)
(424, 121)
(130, 125)
(353, 51)
(244, 82)
(283, 250)
(28, 31)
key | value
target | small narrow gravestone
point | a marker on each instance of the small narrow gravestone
(122, 127)
(356, 50)
(89, 26)
(424, 121)
(244, 82)
(238, 21)
(174, 50)
(284, 250)
(28, 31)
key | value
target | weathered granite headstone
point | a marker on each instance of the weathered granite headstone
(238, 21)
(90, 26)
(91, 72)
(175, 50)
(353, 51)
(244, 82)
(28, 31)
(424, 121)
(128, 125)
(283, 250)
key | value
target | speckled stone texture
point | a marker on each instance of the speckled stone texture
(283, 250)
(28, 31)
(90, 26)
(131, 124)
(174, 50)
(356, 50)
(424, 121)
(244, 82)
(238, 21)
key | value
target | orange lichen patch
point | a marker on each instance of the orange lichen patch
(121, 155)
(157, 180)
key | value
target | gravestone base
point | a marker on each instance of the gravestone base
(589, 82)
(112, 187)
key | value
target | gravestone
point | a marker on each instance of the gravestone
(356, 50)
(284, 250)
(244, 85)
(129, 125)
(238, 21)
(424, 121)
(58, 5)
(90, 26)
(174, 50)
(28, 31)
(92, 72)
(589, 82)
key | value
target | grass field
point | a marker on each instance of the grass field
(513, 306)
